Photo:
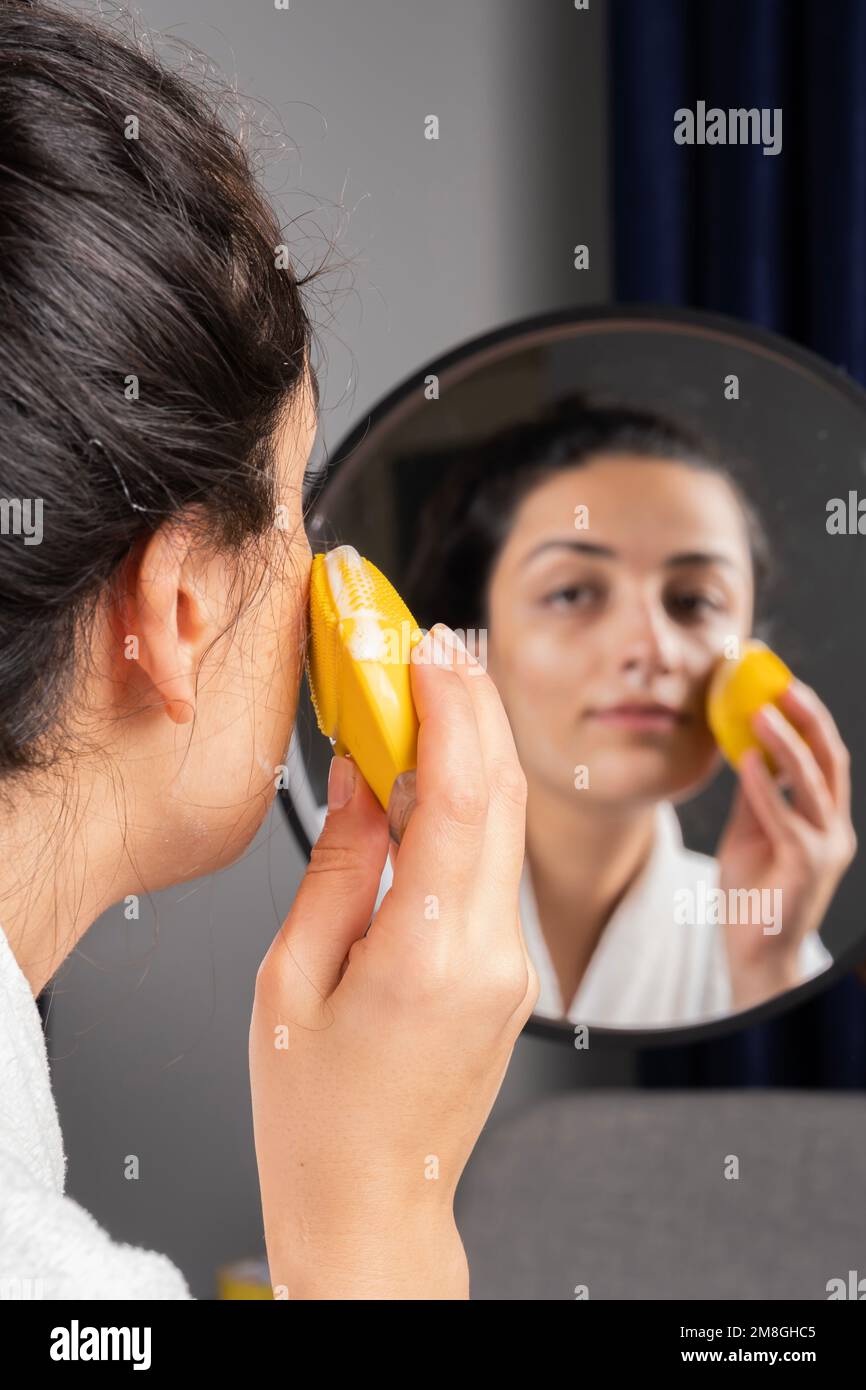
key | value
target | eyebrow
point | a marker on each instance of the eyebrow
(607, 552)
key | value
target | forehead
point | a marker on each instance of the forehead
(647, 508)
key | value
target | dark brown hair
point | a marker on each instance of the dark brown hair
(152, 258)
(468, 514)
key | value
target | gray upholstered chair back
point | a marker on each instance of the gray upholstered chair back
(625, 1192)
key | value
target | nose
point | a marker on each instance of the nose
(649, 644)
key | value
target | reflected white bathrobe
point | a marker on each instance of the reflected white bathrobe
(649, 970)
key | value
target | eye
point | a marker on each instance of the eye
(572, 596)
(692, 606)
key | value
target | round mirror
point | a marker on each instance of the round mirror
(612, 508)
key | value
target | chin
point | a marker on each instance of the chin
(701, 778)
(641, 776)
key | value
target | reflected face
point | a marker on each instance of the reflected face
(605, 624)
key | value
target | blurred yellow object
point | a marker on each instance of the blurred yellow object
(361, 637)
(245, 1279)
(737, 690)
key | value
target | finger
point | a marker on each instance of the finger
(441, 846)
(504, 844)
(796, 761)
(769, 806)
(335, 901)
(811, 717)
(533, 983)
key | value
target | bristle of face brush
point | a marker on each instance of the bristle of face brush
(323, 650)
(367, 603)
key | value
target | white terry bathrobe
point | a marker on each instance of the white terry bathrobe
(50, 1247)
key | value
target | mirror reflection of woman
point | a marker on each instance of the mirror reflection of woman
(610, 561)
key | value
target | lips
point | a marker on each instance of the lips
(637, 715)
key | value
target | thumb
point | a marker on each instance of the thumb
(335, 901)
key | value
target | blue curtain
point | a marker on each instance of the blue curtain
(777, 240)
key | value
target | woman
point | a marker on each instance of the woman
(610, 562)
(158, 411)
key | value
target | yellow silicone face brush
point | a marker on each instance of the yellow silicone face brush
(737, 691)
(361, 638)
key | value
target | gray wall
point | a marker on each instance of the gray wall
(149, 1020)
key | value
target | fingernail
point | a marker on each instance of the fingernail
(441, 651)
(420, 653)
(771, 715)
(459, 645)
(401, 803)
(447, 646)
(341, 782)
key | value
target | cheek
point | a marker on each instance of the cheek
(698, 762)
(280, 649)
(255, 693)
(546, 671)
(540, 681)
(702, 651)
(699, 757)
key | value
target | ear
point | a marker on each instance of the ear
(174, 604)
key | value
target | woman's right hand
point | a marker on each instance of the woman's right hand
(375, 1059)
(796, 850)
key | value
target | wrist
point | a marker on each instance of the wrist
(755, 980)
(376, 1254)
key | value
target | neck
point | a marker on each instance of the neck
(583, 858)
(60, 869)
